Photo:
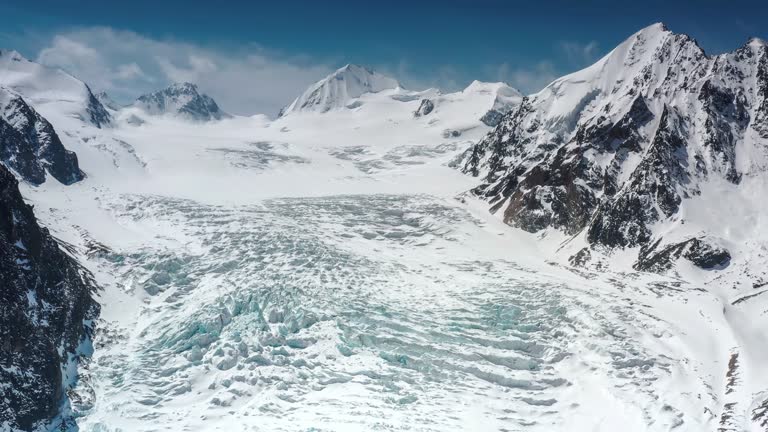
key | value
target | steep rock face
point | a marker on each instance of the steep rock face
(96, 113)
(650, 194)
(29, 144)
(51, 91)
(492, 118)
(425, 107)
(46, 317)
(614, 149)
(338, 89)
(698, 251)
(181, 99)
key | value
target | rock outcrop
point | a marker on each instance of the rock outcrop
(46, 319)
(425, 107)
(615, 150)
(30, 146)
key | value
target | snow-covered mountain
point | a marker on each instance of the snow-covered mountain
(318, 271)
(623, 153)
(51, 91)
(505, 99)
(29, 144)
(340, 88)
(183, 100)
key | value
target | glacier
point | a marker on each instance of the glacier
(327, 270)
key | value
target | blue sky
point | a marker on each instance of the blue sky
(276, 48)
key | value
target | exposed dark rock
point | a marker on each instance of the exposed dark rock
(580, 258)
(699, 252)
(97, 114)
(492, 118)
(30, 146)
(624, 219)
(761, 118)
(46, 318)
(451, 133)
(425, 107)
(759, 415)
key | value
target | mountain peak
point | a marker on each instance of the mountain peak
(337, 89)
(351, 67)
(659, 26)
(182, 99)
(183, 87)
(653, 29)
(50, 90)
(491, 87)
(12, 54)
(757, 42)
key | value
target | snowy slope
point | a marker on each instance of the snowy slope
(52, 92)
(338, 89)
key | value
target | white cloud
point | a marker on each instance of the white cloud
(532, 78)
(129, 71)
(250, 79)
(126, 64)
(444, 77)
(579, 54)
(526, 79)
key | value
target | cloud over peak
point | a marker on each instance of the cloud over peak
(126, 64)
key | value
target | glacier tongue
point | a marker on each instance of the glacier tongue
(339, 312)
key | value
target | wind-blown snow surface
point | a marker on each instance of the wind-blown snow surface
(317, 273)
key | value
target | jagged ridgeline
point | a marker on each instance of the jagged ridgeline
(617, 149)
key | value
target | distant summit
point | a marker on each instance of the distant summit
(51, 91)
(339, 88)
(181, 99)
(505, 98)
